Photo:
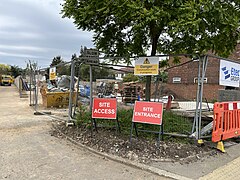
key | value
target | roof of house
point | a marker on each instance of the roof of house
(125, 70)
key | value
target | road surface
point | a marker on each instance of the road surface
(28, 151)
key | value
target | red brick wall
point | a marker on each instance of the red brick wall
(189, 91)
(187, 72)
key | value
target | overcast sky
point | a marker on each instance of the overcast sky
(34, 29)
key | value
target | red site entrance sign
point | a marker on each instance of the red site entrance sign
(104, 108)
(148, 112)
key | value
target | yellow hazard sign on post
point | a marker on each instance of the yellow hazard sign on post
(146, 66)
(52, 73)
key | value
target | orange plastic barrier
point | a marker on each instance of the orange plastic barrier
(226, 121)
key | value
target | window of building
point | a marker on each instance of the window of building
(176, 80)
(196, 80)
(195, 59)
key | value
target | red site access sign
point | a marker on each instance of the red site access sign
(104, 108)
(148, 112)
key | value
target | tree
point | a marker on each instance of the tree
(130, 77)
(31, 67)
(5, 69)
(127, 28)
(61, 69)
(205, 25)
(97, 72)
(56, 60)
(16, 71)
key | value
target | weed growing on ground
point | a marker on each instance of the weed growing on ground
(176, 123)
(83, 117)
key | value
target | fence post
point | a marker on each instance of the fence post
(91, 96)
(20, 86)
(204, 68)
(195, 124)
(198, 114)
(71, 91)
(37, 89)
(30, 85)
(78, 83)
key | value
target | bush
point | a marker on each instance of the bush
(130, 77)
(172, 123)
(83, 117)
(125, 120)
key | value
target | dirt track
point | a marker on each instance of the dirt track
(28, 151)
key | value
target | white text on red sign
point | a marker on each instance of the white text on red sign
(104, 108)
(147, 114)
(104, 104)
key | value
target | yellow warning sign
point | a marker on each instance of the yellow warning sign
(52, 73)
(146, 66)
(146, 61)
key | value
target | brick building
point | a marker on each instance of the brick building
(182, 79)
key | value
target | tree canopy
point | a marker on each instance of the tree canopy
(97, 72)
(57, 60)
(130, 77)
(125, 28)
(61, 69)
(5, 69)
(132, 27)
(16, 71)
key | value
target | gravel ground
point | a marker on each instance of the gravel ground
(142, 150)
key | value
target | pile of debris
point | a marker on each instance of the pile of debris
(61, 84)
(106, 88)
(55, 93)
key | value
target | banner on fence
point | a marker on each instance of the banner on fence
(52, 73)
(229, 73)
(104, 108)
(146, 66)
(148, 112)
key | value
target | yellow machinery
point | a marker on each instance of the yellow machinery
(56, 99)
(12, 79)
(6, 80)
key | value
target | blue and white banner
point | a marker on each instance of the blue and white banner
(229, 73)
